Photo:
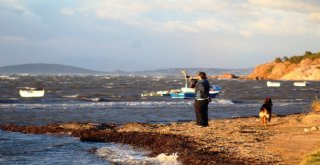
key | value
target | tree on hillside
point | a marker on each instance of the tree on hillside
(285, 58)
(278, 60)
(295, 59)
(308, 53)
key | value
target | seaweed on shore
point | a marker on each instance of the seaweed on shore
(156, 143)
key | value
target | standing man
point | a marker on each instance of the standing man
(202, 99)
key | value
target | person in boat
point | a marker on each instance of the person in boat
(268, 106)
(193, 82)
(202, 99)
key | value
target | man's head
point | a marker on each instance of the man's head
(202, 75)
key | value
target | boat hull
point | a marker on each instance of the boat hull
(31, 93)
(273, 84)
(189, 95)
(300, 84)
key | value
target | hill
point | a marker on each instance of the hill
(41, 68)
(193, 71)
(304, 67)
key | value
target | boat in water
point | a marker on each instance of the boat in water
(189, 93)
(300, 84)
(273, 84)
(31, 92)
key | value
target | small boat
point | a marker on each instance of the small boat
(158, 93)
(31, 92)
(273, 84)
(189, 93)
(300, 84)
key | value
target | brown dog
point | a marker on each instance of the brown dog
(264, 115)
(268, 106)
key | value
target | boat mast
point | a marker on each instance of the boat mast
(185, 77)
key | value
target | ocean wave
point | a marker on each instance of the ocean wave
(105, 104)
(125, 154)
(71, 96)
(9, 100)
(97, 103)
(222, 101)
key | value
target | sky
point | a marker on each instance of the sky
(133, 35)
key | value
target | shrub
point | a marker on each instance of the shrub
(312, 159)
(295, 59)
(315, 105)
(298, 59)
(285, 58)
(278, 60)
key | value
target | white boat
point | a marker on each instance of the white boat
(273, 84)
(300, 84)
(188, 93)
(31, 92)
(163, 93)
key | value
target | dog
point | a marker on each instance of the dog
(266, 111)
(264, 116)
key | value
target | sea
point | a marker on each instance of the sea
(118, 99)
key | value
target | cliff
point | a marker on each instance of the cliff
(305, 68)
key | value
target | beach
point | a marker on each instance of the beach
(286, 140)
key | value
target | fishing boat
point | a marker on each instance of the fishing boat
(31, 92)
(300, 84)
(189, 93)
(158, 93)
(273, 84)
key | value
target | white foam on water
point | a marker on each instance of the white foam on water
(96, 103)
(71, 96)
(222, 101)
(125, 154)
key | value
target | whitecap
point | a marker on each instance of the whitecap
(222, 101)
(71, 96)
(126, 154)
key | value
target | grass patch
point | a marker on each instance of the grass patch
(313, 159)
(315, 105)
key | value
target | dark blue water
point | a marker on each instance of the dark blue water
(113, 99)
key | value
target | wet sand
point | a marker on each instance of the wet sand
(286, 139)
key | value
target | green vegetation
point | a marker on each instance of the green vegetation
(312, 159)
(315, 105)
(298, 59)
(278, 60)
(285, 58)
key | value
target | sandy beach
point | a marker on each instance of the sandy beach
(286, 140)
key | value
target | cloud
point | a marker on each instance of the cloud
(315, 17)
(121, 10)
(12, 39)
(245, 17)
(67, 11)
(289, 5)
(282, 18)
(13, 6)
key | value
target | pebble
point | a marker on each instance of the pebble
(314, 128)
(306, 130)
(311, 129)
